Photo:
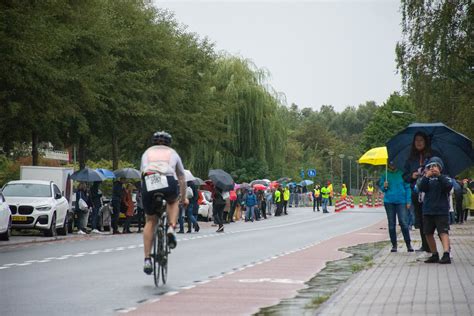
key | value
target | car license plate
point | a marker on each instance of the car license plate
(17, 218)
(156, 182)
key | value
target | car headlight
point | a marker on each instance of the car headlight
(43, 208)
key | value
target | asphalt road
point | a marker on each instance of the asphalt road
(103, 275)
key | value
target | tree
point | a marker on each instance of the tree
(435, 59)
(385, 124)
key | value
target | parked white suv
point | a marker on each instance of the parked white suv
(37, 204)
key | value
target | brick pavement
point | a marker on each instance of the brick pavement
(402, 284)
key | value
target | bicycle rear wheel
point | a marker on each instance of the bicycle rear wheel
(157, 240)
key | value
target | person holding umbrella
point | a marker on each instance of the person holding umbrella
(397, 200)
(162, 172)
(420, 152)
(82, 208)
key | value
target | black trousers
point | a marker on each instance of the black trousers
(317, 203)
(285, 206)
(279, 209)
(419, 219)
(459, 210)
(264, 209)
(219, 213)
(115, 215)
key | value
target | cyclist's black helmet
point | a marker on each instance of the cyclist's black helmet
(161, 138)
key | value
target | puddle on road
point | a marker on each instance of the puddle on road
(326, 282)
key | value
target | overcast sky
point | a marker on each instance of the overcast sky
(339, 53)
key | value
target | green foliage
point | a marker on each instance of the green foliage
(435, 58)
(250, 169)
(8, 170)
(385, 124)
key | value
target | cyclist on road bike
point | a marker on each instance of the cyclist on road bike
(162, 172)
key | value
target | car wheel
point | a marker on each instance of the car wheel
(51, 232)
(64, 230)
(6, 235)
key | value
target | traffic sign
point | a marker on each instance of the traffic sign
(312, 173)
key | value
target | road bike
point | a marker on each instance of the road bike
(160, 241)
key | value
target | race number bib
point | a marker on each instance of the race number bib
(156, 182)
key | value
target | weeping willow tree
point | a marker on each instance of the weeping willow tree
(249, 124)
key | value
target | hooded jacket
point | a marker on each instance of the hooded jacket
(398, 191)
(436, 192)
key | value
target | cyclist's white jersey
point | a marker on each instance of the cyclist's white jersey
(162, 159)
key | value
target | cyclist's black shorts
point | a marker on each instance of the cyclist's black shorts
(170, 193)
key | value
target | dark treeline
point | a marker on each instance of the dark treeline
(102, 76)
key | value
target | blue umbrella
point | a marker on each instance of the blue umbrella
(87, 175)
(305, 183)
(455, 148)
(106, 173)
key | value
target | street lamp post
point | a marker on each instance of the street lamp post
(342, 168)
(357, 165)
(350, 173)
(331, 153)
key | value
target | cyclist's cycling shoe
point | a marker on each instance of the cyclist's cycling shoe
(172, 239)
(147, 266)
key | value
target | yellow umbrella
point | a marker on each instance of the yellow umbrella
(377, 156)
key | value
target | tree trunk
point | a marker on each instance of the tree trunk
(34, 148)
(115, 150)
(82, 152)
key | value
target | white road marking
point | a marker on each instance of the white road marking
(126, 310)
(269, 280)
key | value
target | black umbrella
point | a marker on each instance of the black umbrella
(87, 175)
(221, 179)
(128, 173)
(455, 148)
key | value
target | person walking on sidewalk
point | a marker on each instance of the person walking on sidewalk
(436, 187)
(397, 200)
(325, 194)
(218, 205)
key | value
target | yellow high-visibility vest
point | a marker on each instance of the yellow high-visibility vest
(317, 192)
